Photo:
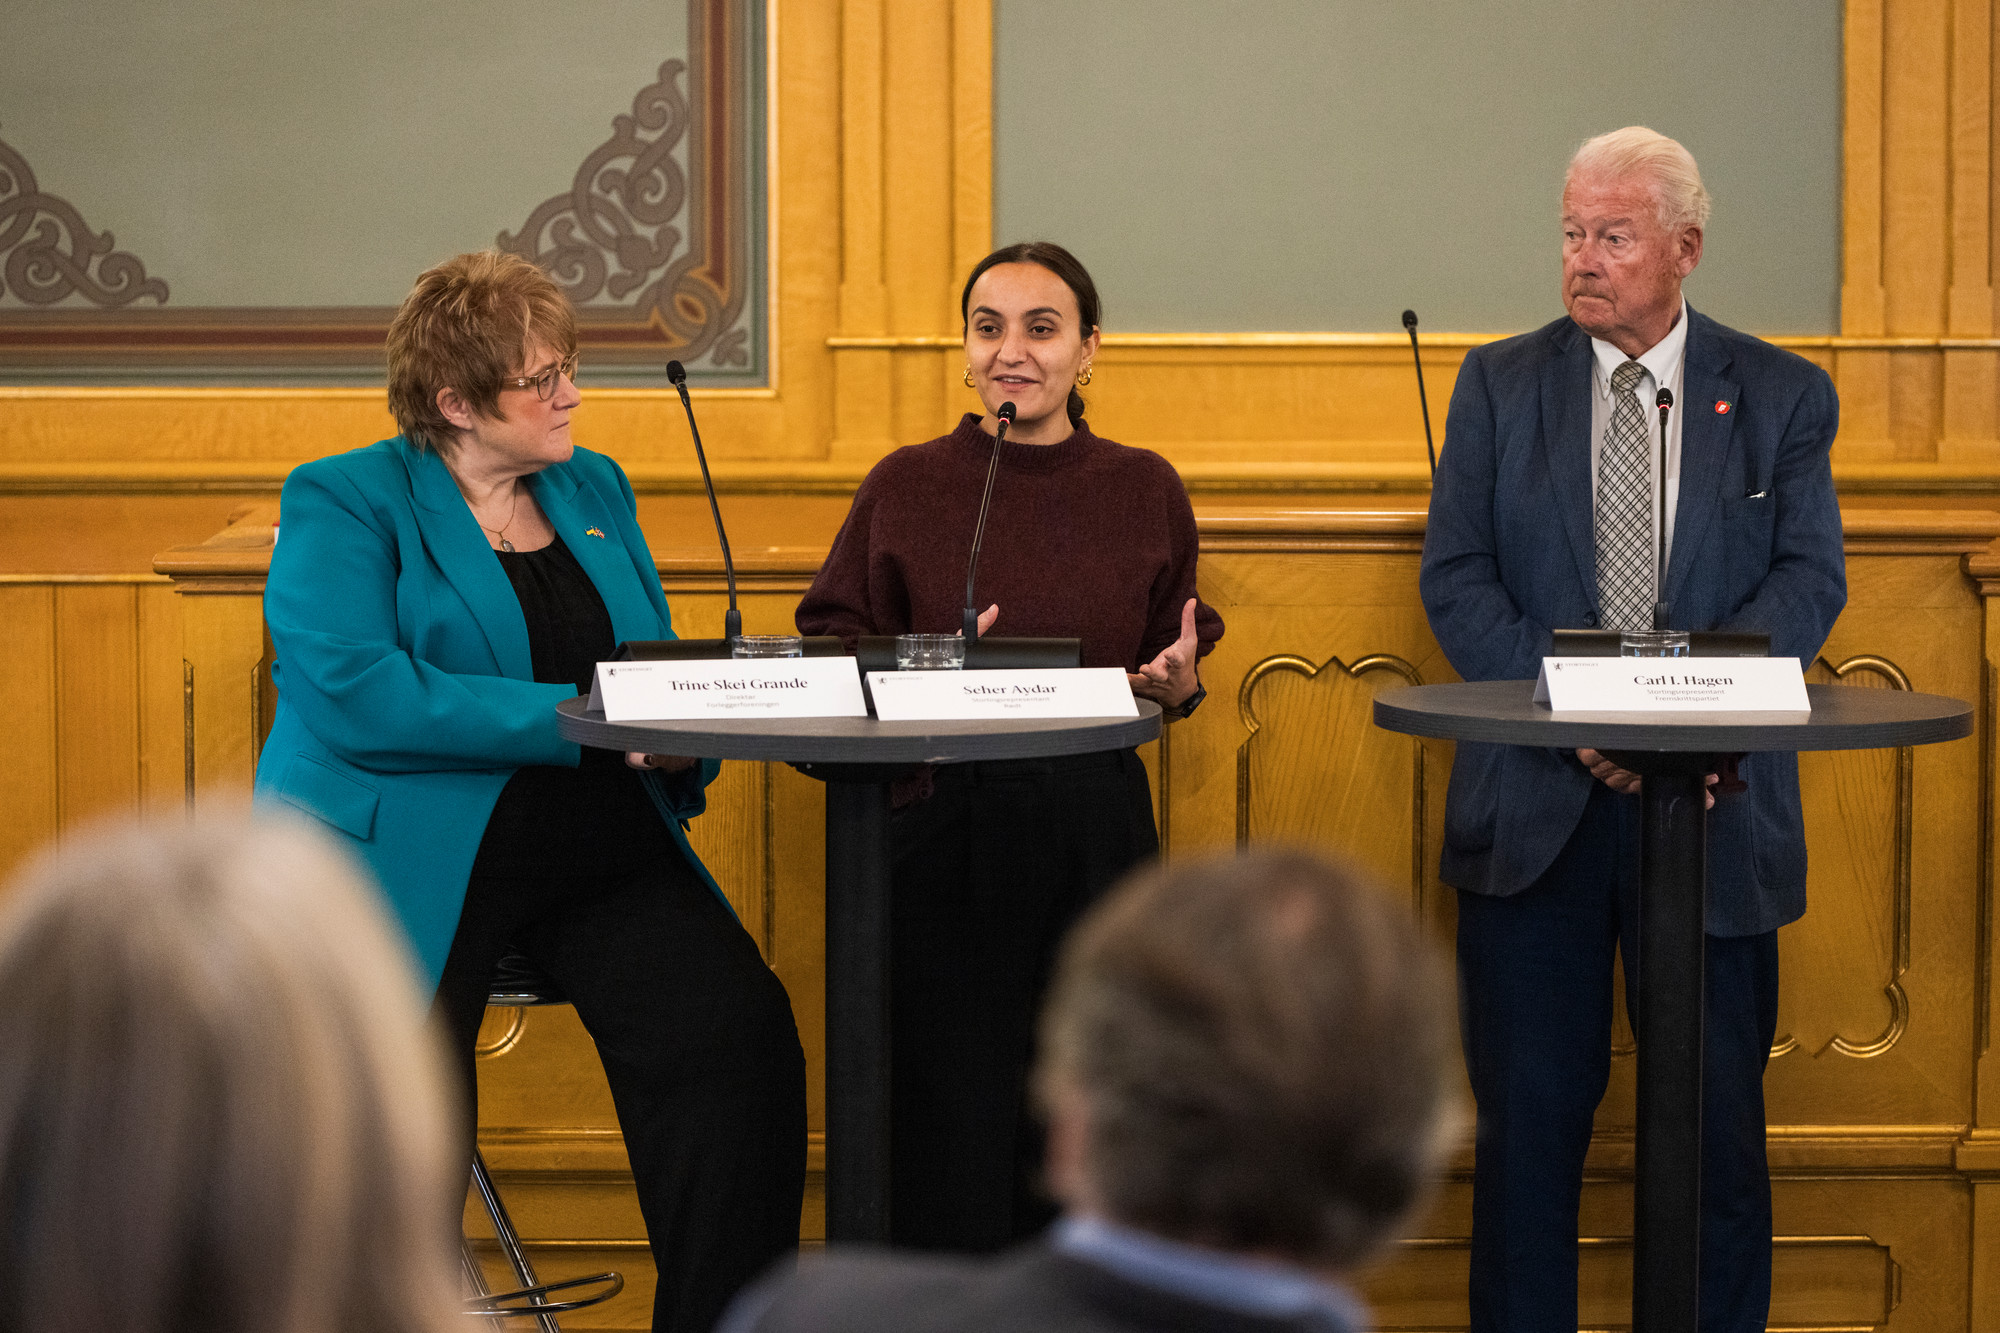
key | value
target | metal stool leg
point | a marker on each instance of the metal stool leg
(510, 1241)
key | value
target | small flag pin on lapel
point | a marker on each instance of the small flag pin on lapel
(593, 532)
(1722, 406)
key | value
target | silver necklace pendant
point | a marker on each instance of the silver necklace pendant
(506, 546)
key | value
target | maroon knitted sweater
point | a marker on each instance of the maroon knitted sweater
(1086, 539)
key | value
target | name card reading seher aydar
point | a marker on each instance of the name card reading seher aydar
(1672, 684)
(728, 687)
(937, 696)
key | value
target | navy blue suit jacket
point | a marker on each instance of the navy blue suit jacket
(1510, 555)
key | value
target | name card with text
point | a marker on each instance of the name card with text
(1672, 684)
(935, 696)
(728, 687)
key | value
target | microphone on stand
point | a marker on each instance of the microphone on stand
(1423, 400)
(1005, 416)
(732, 619)
(1666, 405)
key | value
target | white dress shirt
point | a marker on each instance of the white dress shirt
(1662, 364)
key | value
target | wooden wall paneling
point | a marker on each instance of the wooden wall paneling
(162, 714)
(1971, 378)
(28, 768)
(1862, 300)
(97, 698)
(1916, 196)
(1873, 1026)
(1978, 1155)
(1885, 1198)
(972, 139)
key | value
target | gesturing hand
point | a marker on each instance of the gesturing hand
(1169, 679)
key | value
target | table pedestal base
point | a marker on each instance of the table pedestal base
(1673, 884)
(857, 999)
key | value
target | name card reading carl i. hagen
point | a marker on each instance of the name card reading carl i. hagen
(937, 696)
(1673, 684)
(729, 687)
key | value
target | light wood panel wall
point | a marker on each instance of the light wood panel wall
(882, 199)
(1885, 1123)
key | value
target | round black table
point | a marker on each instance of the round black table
(857, 757)
(1674, 752)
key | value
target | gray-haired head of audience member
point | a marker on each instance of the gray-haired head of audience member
(1250, 1054)
(220, 1107)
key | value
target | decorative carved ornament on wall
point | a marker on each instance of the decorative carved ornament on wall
(672, 247)
(48, 252)
(1247, 713)
(613, 231)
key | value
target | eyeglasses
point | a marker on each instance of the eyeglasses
(544, 384)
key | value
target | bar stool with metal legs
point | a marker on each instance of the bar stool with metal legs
(519, 984)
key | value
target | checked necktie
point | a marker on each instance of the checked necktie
(1625, 510)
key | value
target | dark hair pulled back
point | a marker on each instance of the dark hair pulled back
(1064, 265)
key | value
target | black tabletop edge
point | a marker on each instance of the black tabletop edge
(860, 739)
(1843, 717)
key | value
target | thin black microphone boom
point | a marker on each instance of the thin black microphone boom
(732, 619)
(1005, 416)
(1423, 399)
(1666, 405)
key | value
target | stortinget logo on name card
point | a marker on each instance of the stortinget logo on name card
(748, 687)
(938, 696)
(1673, 684)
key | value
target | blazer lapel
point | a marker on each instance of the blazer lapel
(467, 562)
(1566, 393)
(593, 539)
(1705, 439)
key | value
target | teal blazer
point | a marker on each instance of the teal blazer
(406, 696)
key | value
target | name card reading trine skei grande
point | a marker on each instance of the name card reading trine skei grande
(1673, 685)
(936, 696)
(728, 687)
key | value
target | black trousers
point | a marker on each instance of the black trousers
(990, 871)
(1535, 1017)
(698, 1044)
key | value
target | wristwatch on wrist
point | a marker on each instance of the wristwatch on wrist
(1187, 706)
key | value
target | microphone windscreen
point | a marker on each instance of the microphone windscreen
(1666, 398)
(1006, 413)
(676, 373)
(1409, 319)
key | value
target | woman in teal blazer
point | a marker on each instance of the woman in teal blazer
(432, 598)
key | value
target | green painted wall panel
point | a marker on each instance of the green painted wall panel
(1322, 164)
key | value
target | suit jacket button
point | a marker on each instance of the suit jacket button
(1590, 620)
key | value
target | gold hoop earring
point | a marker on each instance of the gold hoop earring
(1083, 378)
(968, 378)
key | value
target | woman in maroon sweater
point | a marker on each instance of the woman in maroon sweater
(993, 861)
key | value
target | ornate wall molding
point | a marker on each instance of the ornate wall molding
(614, 231)
(1247, 712)
(660, 227)
(1899, 963)
(50, 251)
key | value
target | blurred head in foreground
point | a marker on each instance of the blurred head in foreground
(220, 1109)
(1252, 1054)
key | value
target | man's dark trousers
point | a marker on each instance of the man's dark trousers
(1535, 1017)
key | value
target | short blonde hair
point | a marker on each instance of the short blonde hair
(1635, 150)
(467, 325)
(220, 1105)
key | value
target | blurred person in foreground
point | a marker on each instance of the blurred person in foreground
(221, 1108)
(1246, 1069)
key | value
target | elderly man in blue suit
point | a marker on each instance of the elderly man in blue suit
(1542, 518)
